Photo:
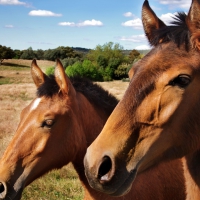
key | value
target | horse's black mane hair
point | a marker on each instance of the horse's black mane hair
(92, 91)
(178, 32)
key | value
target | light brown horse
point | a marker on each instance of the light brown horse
(158, 118)
(58, 126)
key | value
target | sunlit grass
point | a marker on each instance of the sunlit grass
(60, 184)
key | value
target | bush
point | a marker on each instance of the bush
(121, 71)
(106, 73)
(50, 71)
(69, 61)
(85, 69)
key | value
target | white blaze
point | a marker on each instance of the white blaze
(35, 103)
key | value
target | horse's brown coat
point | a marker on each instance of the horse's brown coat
(58, 126)
(158, 118)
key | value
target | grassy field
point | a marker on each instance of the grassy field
(16, 91)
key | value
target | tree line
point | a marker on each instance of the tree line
(104, 63)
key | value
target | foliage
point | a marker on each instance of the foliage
(106, 73)
(5, 53)
(61, 53)
(121, 72)
(134, 54)
(70, 61)
(17, 54)
(39, 54)
(102, 55)
(84, 69)
(107, 58)
(50, 71)
(28, 54)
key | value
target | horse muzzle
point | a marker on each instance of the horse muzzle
(104, 175)
(7, 193)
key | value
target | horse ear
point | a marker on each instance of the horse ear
(37, 74)
(61, 78)
(193, 22)
(131, 73)
(150, 21)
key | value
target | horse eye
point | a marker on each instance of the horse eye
(181, 81)
(48, 123)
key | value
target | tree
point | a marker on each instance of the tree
(5, 53)
(28, 54)
(17, 53)
(134, 54)
(84, 69)
(108, 56)
(39, 54)
(61, 53)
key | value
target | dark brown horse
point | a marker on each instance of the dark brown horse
(58, 126)
(158, 118)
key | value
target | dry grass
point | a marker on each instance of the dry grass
(60, 184)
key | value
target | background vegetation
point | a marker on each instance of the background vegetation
(104, 63)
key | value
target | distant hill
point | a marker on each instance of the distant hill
(81, 50)
(144, 52)
(126, 52)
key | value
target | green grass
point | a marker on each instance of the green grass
(5, 80)
(61, 184)
(14, 67)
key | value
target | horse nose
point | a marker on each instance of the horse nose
(3, 190)
(105, 171)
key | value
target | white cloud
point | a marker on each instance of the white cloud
(134, 38)
(66, 24)
(135, 23)
(167, 18)
(176, 3)
(43, 13)
(92, 22)
(12, 2)
(128, 14)
(143, 47)
(9, 26)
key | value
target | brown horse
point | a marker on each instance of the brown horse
(158, 118)
(58, 126)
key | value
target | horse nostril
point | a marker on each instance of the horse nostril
(104, 169)
(2, 188)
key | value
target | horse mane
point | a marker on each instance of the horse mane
(177, 32)
(92, 91)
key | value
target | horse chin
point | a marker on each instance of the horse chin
(14, 195)
(126, 185)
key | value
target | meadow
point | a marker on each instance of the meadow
(16, 91)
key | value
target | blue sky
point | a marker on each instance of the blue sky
(47, 24)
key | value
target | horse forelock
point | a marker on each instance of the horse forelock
(92, 91)
(48, 88)
(177, 32)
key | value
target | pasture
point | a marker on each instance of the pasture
(16, 91)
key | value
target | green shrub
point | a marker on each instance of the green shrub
(106, 73)
(74, 70)
(50, 71)
(69, 61)
(85, 69)
(121, 72)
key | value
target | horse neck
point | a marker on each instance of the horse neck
(91, 120)
(191, 166)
